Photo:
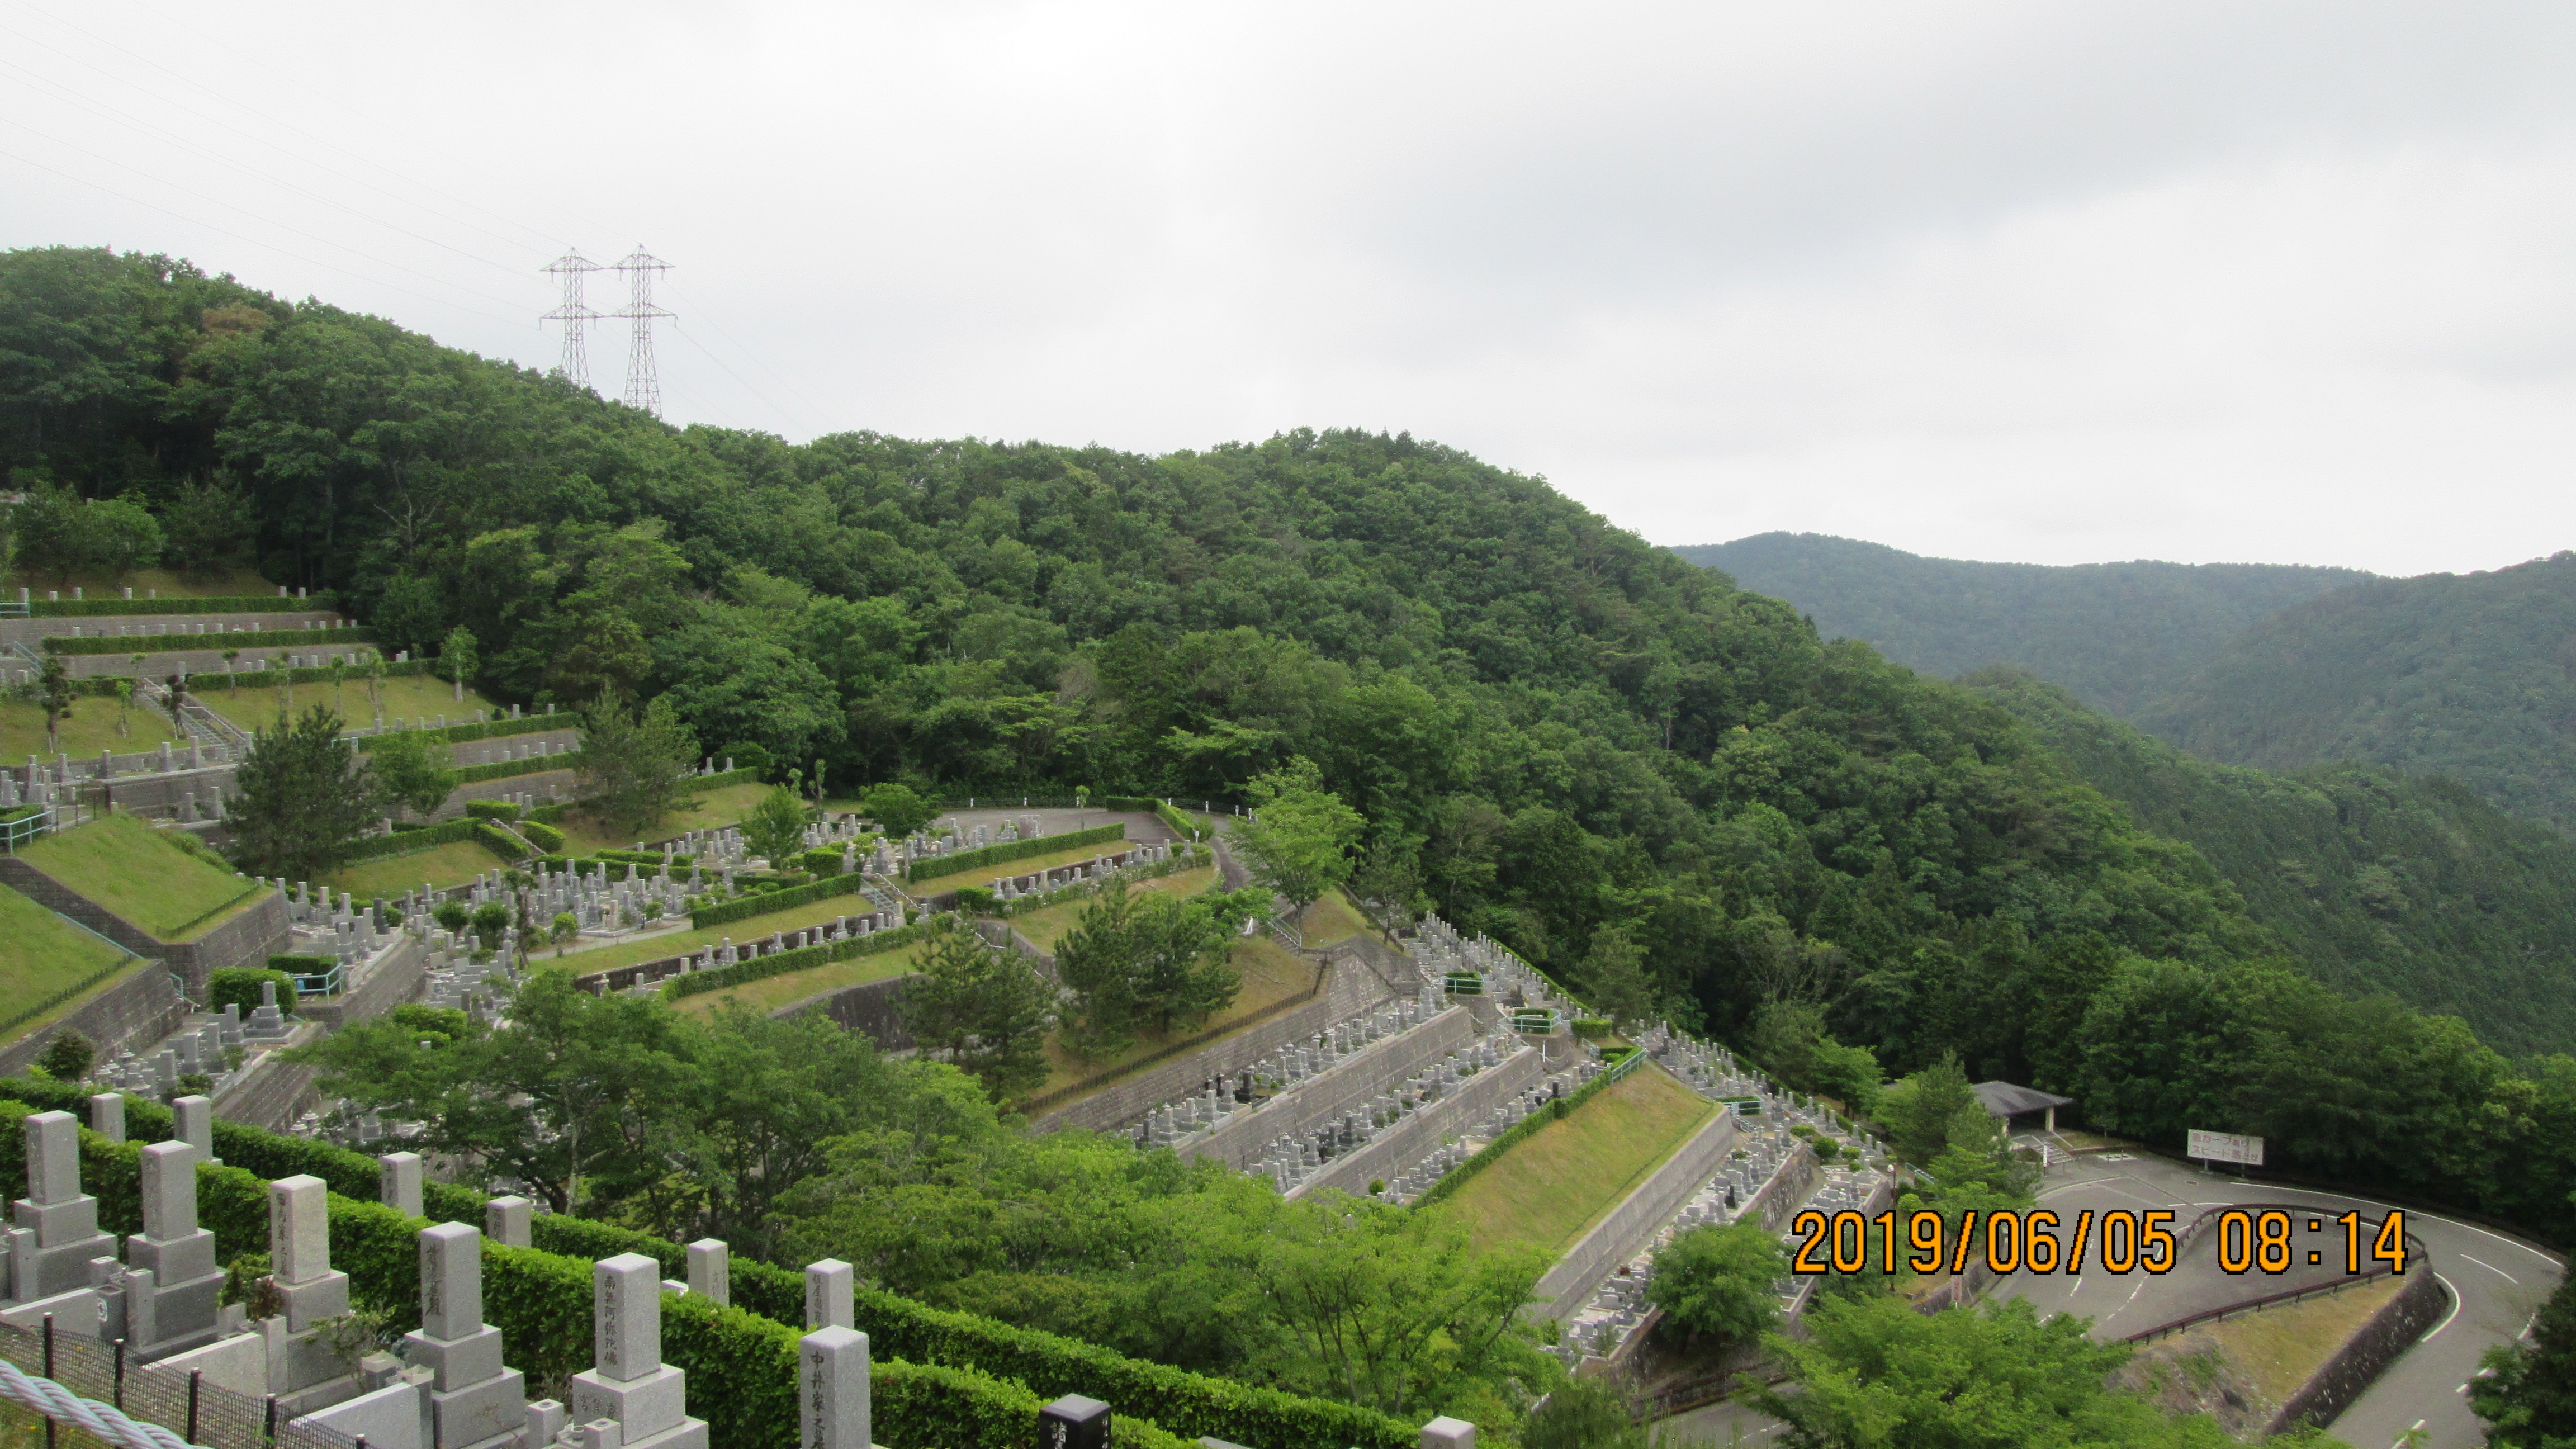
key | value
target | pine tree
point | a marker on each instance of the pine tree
(300, 798)
(987, 1011)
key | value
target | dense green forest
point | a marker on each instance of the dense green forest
(1585, 741)
(2118, 634)
(2381, 881)
(2468, 675)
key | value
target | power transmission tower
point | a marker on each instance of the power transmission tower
(576, 318)
(643, 388)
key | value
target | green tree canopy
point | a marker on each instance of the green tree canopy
(1298, 838)
(300, 798)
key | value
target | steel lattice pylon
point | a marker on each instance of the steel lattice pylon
(643, 387)
(576, 318)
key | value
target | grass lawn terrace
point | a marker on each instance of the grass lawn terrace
(1026, 865)
(126, 866)
(772, 992)
(238, 584)
(40, 954)
(454, 863)
(1048, 926)
(673, 943)
(90, 729)
(252, 702)
(584, 834)
(1270, 973)
(1558, 1180)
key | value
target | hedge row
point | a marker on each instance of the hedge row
(254, 604)
(1184, 856)
(499, 841)
(741, 1365)
(724, 912)
(1493, 1151)
(803, 958)
(404, 842)
(246, 641)
(494, 729)
(944, 1379)
(933, 867)
(202, 682)
(1180, 824)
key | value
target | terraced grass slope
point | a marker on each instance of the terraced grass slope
(131, 869)
(1560, 1179)
(43, 956)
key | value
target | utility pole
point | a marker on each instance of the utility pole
(643, 388)
(576, 318)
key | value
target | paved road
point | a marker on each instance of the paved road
(2496, 1284)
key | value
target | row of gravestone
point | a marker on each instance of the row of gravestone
(449, 1389)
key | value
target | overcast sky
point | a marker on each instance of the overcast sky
(2045, 282)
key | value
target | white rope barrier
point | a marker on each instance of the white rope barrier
(58, 1403)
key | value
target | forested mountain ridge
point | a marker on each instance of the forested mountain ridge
(1585, 745)
(2468, 675)
(2380, 881)
(2117, 634)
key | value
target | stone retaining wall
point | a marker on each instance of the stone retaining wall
(394, 977)
(1790, 1186)
(1381, 1066)
(1398, 1147)
(134, 1013)
(871, 1008)
(1630, 1225)
(271, 1095)
(2364, 1356)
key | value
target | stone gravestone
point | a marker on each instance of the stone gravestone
(710, 1270)
(172, 1282)
(107, 1115)
(475, 1402)
(832, 1389)
(56, 1229)
(1074, 1422)
(398, 1183)
(645, 1398)
(830, 1299)
(507, 1220)
(305, 1369)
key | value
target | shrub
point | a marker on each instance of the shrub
(774, 900)
(499, 841)
(1591, 1028)
(823, 861)
(239, 985)
(545, 837)
(67, 1057)
(491, 810)
(975, 900)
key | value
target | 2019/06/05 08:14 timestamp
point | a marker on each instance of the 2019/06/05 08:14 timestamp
(2038, 1240)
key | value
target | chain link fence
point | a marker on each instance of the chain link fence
(183, 1402)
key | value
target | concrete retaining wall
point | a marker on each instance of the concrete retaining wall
(91, 626)
(249, 938)
(1789, 1187)
(2365, 1356)
(134, 1013)
(1240, 1140)
(1629, 1226)
(392, 979)
(1397, 1148)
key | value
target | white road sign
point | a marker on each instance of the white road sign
(2226, 1147)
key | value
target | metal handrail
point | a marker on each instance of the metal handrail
(2415, 1253)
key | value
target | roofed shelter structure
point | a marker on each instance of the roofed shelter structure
(2013, 1103)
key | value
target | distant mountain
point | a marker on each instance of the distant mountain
(2469, 675)
(2117, 634)
(2379, 881)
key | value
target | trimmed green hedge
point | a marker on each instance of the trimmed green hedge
(1180, 824)
(253, 604)
(963, 862)
(803, 958)
(724, 912)
(404, 842)
(209, 681)
(249, 642)
(545, 837)
(458, 734)
(499, 841)
(239, 986)
(491, 810)
(943, 1380)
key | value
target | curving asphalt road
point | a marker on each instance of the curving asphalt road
(2496, 1285)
